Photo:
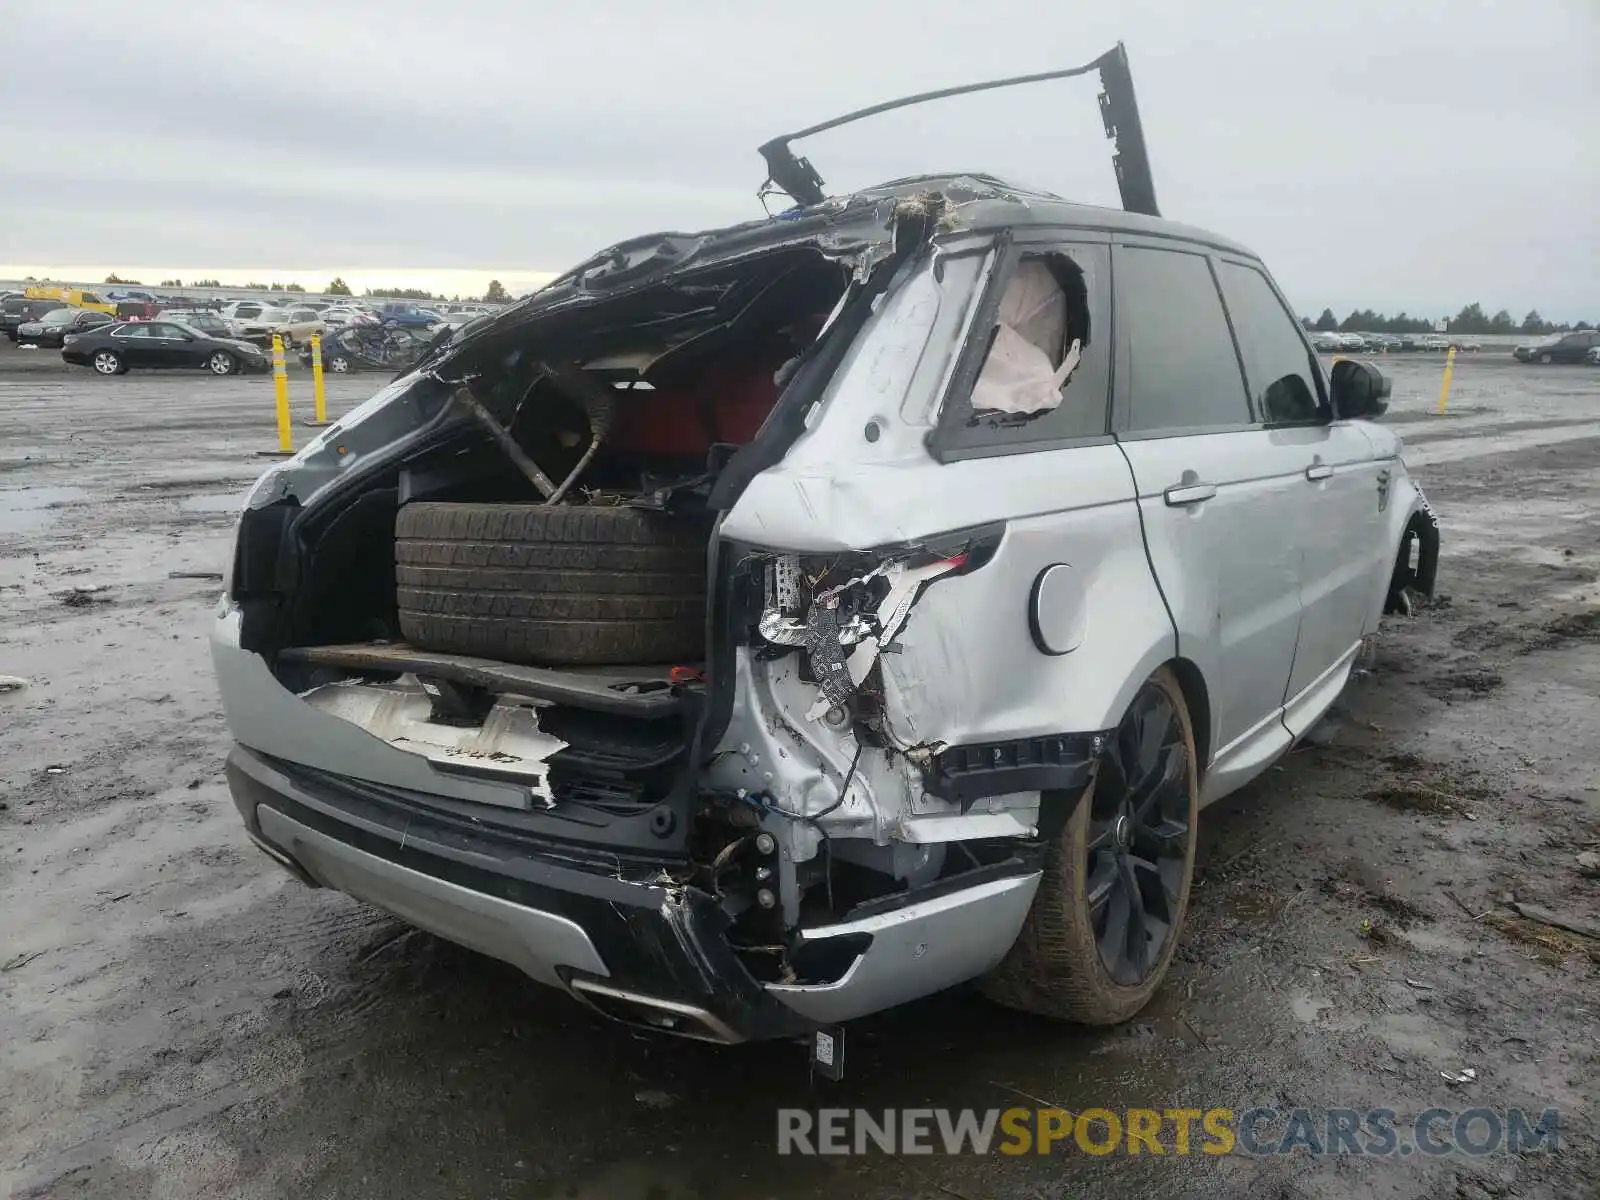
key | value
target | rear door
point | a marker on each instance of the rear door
(1338, 527)
(133, 342)
(1221, 497)
(1574, 348)
(169, 346)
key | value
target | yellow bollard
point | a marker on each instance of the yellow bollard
(316, 383)
(280, 384)
(1444, 386)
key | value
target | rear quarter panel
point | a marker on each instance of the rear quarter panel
(967, 668)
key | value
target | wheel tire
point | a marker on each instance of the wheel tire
(533, 584)
(222, 363)
(339, 364)
(1055, 968)
(108, 362)
(1544, 359)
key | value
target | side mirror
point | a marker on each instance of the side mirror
(1359, 390)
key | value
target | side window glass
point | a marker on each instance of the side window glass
(1046, 375)
(1183, 372)
(1277, 366)
(134, 331)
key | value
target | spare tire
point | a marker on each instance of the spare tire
(532, 584)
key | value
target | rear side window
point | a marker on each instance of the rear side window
(1277, 367)
(1183, 373)
(1046, 372)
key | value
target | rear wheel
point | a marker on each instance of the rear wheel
(1105, 920)
(108, 362)
(339, 364)
(222, 363)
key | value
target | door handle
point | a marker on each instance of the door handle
(1318, 470)
(1189, 493)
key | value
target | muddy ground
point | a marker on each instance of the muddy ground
(178, 1019)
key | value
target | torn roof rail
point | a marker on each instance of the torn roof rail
(1119, 109)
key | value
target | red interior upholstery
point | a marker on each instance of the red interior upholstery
(727, 404)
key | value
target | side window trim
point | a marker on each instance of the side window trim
(1121, 366)
(1233, 335)
(1010, 251)
(1313, 364)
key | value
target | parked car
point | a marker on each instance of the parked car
(1352, 341)
(16, 311)
(201, 320)
(1559, 348)
(573, 647)
(299, 324)
(58, 323)
(72, 298)
(1407, 342)
(256, 322)
(1326, 342)
(368, 347)
(1434, 342)
(340, 314)
(161, 344)
(407, 316)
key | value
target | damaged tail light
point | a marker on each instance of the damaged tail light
(844, 611)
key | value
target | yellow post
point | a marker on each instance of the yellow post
(316, 382)
(280, 383)
(1444, 386)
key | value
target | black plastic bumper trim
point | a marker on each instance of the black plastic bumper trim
(1061, 762)
(663, 942)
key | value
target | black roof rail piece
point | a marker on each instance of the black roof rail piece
(1119, 109)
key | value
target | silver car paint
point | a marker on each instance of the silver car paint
(1232, 574)
(535, 942)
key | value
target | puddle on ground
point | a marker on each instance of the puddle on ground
(27, 510)
(213, 502)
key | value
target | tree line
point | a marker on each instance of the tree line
(496, 293)
(1470, 319)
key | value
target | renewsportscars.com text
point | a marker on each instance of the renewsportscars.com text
(1377, 1132)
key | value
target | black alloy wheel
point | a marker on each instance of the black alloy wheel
(1139, 834)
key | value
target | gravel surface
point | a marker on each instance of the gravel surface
(179, 1019)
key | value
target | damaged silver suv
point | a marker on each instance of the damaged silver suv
(757, 629)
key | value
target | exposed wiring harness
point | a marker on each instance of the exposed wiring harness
(814, 819)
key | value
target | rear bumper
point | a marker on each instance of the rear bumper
(647, 952)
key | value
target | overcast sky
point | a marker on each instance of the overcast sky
(1415, 155)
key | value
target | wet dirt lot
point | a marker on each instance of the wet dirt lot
(179, 1019)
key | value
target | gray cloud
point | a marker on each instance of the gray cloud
(1416, 156)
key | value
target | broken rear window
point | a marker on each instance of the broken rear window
(1046, 373)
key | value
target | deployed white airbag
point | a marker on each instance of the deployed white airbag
(1021, 375)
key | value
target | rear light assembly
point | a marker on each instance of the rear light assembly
(844, 611)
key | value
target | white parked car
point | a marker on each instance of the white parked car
(341, 314)
(255, 321)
